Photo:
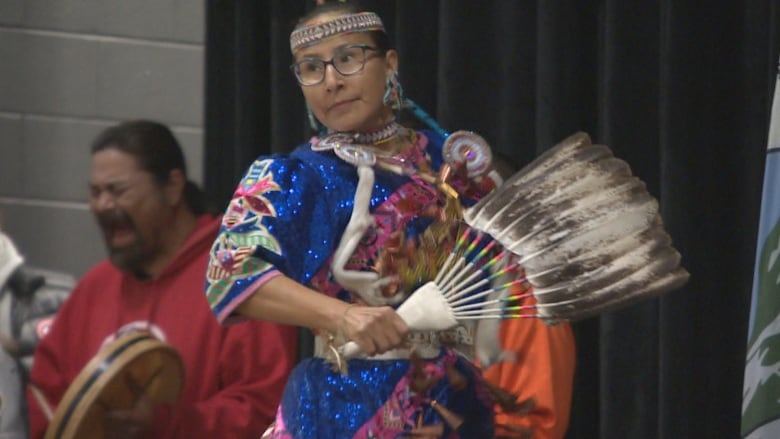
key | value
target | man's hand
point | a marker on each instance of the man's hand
(131, 423)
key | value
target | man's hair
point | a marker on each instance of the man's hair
(157, 151)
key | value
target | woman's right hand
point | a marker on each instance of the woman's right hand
(375, 329)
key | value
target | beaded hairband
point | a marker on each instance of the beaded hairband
(360, 22)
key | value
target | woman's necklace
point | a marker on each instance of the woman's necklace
(363, 149)
(359, 149)
(382, 135)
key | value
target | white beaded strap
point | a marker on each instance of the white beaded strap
(360, 22)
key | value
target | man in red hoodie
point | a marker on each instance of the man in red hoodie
(158, 237)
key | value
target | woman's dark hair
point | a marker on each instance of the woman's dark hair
(381, 39)
(157, 151)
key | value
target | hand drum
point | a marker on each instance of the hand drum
(112, 380)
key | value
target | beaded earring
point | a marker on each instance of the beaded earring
(394, 92)
(313, 123)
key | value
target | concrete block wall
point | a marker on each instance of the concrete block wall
(68, 69)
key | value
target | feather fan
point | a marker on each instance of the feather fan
(584, 231)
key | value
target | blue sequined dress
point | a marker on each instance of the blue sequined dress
(287, 217)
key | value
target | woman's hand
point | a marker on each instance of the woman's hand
(375, 329)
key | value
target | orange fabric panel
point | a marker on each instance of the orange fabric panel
(543, 369)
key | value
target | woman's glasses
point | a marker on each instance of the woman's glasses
(348, 60)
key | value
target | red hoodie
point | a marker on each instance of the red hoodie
(234, 375)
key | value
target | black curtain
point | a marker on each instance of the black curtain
(680, 89)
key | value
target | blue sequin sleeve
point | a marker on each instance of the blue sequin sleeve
(280, 220)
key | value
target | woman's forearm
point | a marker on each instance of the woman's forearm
(284, 300)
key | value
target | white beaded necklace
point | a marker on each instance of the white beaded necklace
(358, 148)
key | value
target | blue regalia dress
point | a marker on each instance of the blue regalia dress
(287, 217)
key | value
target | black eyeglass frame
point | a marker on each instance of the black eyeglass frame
(295, 67)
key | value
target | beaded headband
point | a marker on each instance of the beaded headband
(360, 22)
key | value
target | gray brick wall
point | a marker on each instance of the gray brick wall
(70, 69)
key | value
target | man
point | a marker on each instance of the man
(29, 298)
(158, 237)
(12, 424)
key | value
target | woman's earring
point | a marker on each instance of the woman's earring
(312, 120)
(394, 93)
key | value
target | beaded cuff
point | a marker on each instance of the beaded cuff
(361, 22)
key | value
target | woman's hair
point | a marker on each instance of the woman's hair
(381, 39)
(157, 151)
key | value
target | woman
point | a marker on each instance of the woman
(298, 246)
